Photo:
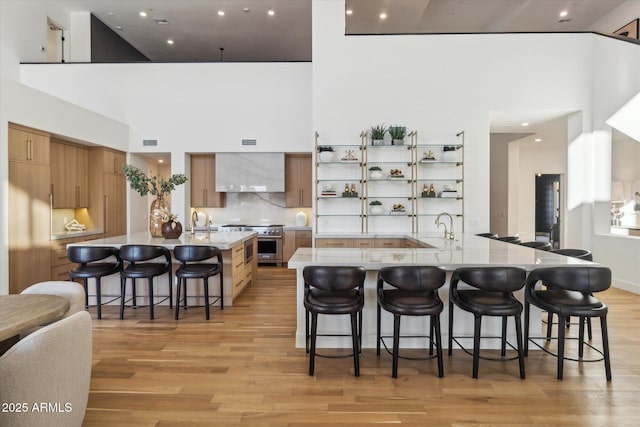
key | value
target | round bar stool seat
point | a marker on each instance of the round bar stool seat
(136, 268)
(411, 291)
(93, 264)
(333, 290)
(192, 267)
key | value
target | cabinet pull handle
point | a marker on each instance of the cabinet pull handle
(240, 265)
(29, 149)
(77, 196)
(204, 197)
(52, 194)
(115, 167)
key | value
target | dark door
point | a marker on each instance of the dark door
(548, 208)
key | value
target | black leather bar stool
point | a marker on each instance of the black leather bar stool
(509, 239)
(570, 294)
(582, 254)
(192, 267)
(411, 291)
(542, 246)
(93, 263)
(136, 268)
(488, 235)
(493, 296)
(333, 290)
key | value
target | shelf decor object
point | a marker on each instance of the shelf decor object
(377, 134)
(397, 134)
(325, 153)
(156, 186)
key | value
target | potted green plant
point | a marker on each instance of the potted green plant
(375, 207)
(157, 186)
(377, 134)
(375, 172)
(397, 134)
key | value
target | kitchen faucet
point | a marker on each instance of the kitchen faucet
(194, 221)
(450, 234)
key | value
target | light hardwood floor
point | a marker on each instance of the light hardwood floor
(242, 367)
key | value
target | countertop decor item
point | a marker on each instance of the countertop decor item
(301, 219)
(158, 186)
(397, 134)
(377, 134)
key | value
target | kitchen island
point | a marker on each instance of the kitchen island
(467, 250)
(239, 253)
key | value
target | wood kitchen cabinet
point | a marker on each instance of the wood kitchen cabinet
(108, 197)
(69, 175)
(389, 243)
(60, 264)
(203, 182)
(240, 267)
(28, 145)
(29, 227)
(298, 180)
(113, 162)
(294, 239)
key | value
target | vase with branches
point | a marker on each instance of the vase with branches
(158, 186)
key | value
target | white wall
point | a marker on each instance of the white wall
(441, 84)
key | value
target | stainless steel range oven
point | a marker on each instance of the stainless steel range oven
(269, 241)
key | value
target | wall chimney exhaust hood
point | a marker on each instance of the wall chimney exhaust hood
(250, 172)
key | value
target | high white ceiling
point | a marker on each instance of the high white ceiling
(199, 32)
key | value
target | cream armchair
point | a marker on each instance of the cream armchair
(46, 375)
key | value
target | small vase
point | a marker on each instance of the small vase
(375, 209)
(397, 142)
(375, 174)
(155, 217)
(377, 142)
(171, 229)
(301, 219)
(325, 156)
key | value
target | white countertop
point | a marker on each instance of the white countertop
(222, 240)
(467, 250)
(73, 234)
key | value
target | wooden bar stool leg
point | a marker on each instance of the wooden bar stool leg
(450, 327)
(150, 298)
(314, 330)
(503, 348)
(605, 347)
(561, 333)
(476, 344)
(396, 345)
(178, 298)
(98, 299)
(520, 352)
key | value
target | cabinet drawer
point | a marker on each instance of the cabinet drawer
(59, 257)
(389, 243)
(303, 234)
(334, 243)
(61, 272)
(363, 243)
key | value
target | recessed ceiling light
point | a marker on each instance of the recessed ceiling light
(221, 13)
(525, 123)
(537, 140)
(119, 27)
(143, 13)
(160, 161)
(271, 12)
(111, 14)
(383, 15)
(563, 13)
(246, 10)
(349, 12)
(169, 41)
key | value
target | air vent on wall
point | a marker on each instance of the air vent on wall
(149, 142)
(249, 142)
